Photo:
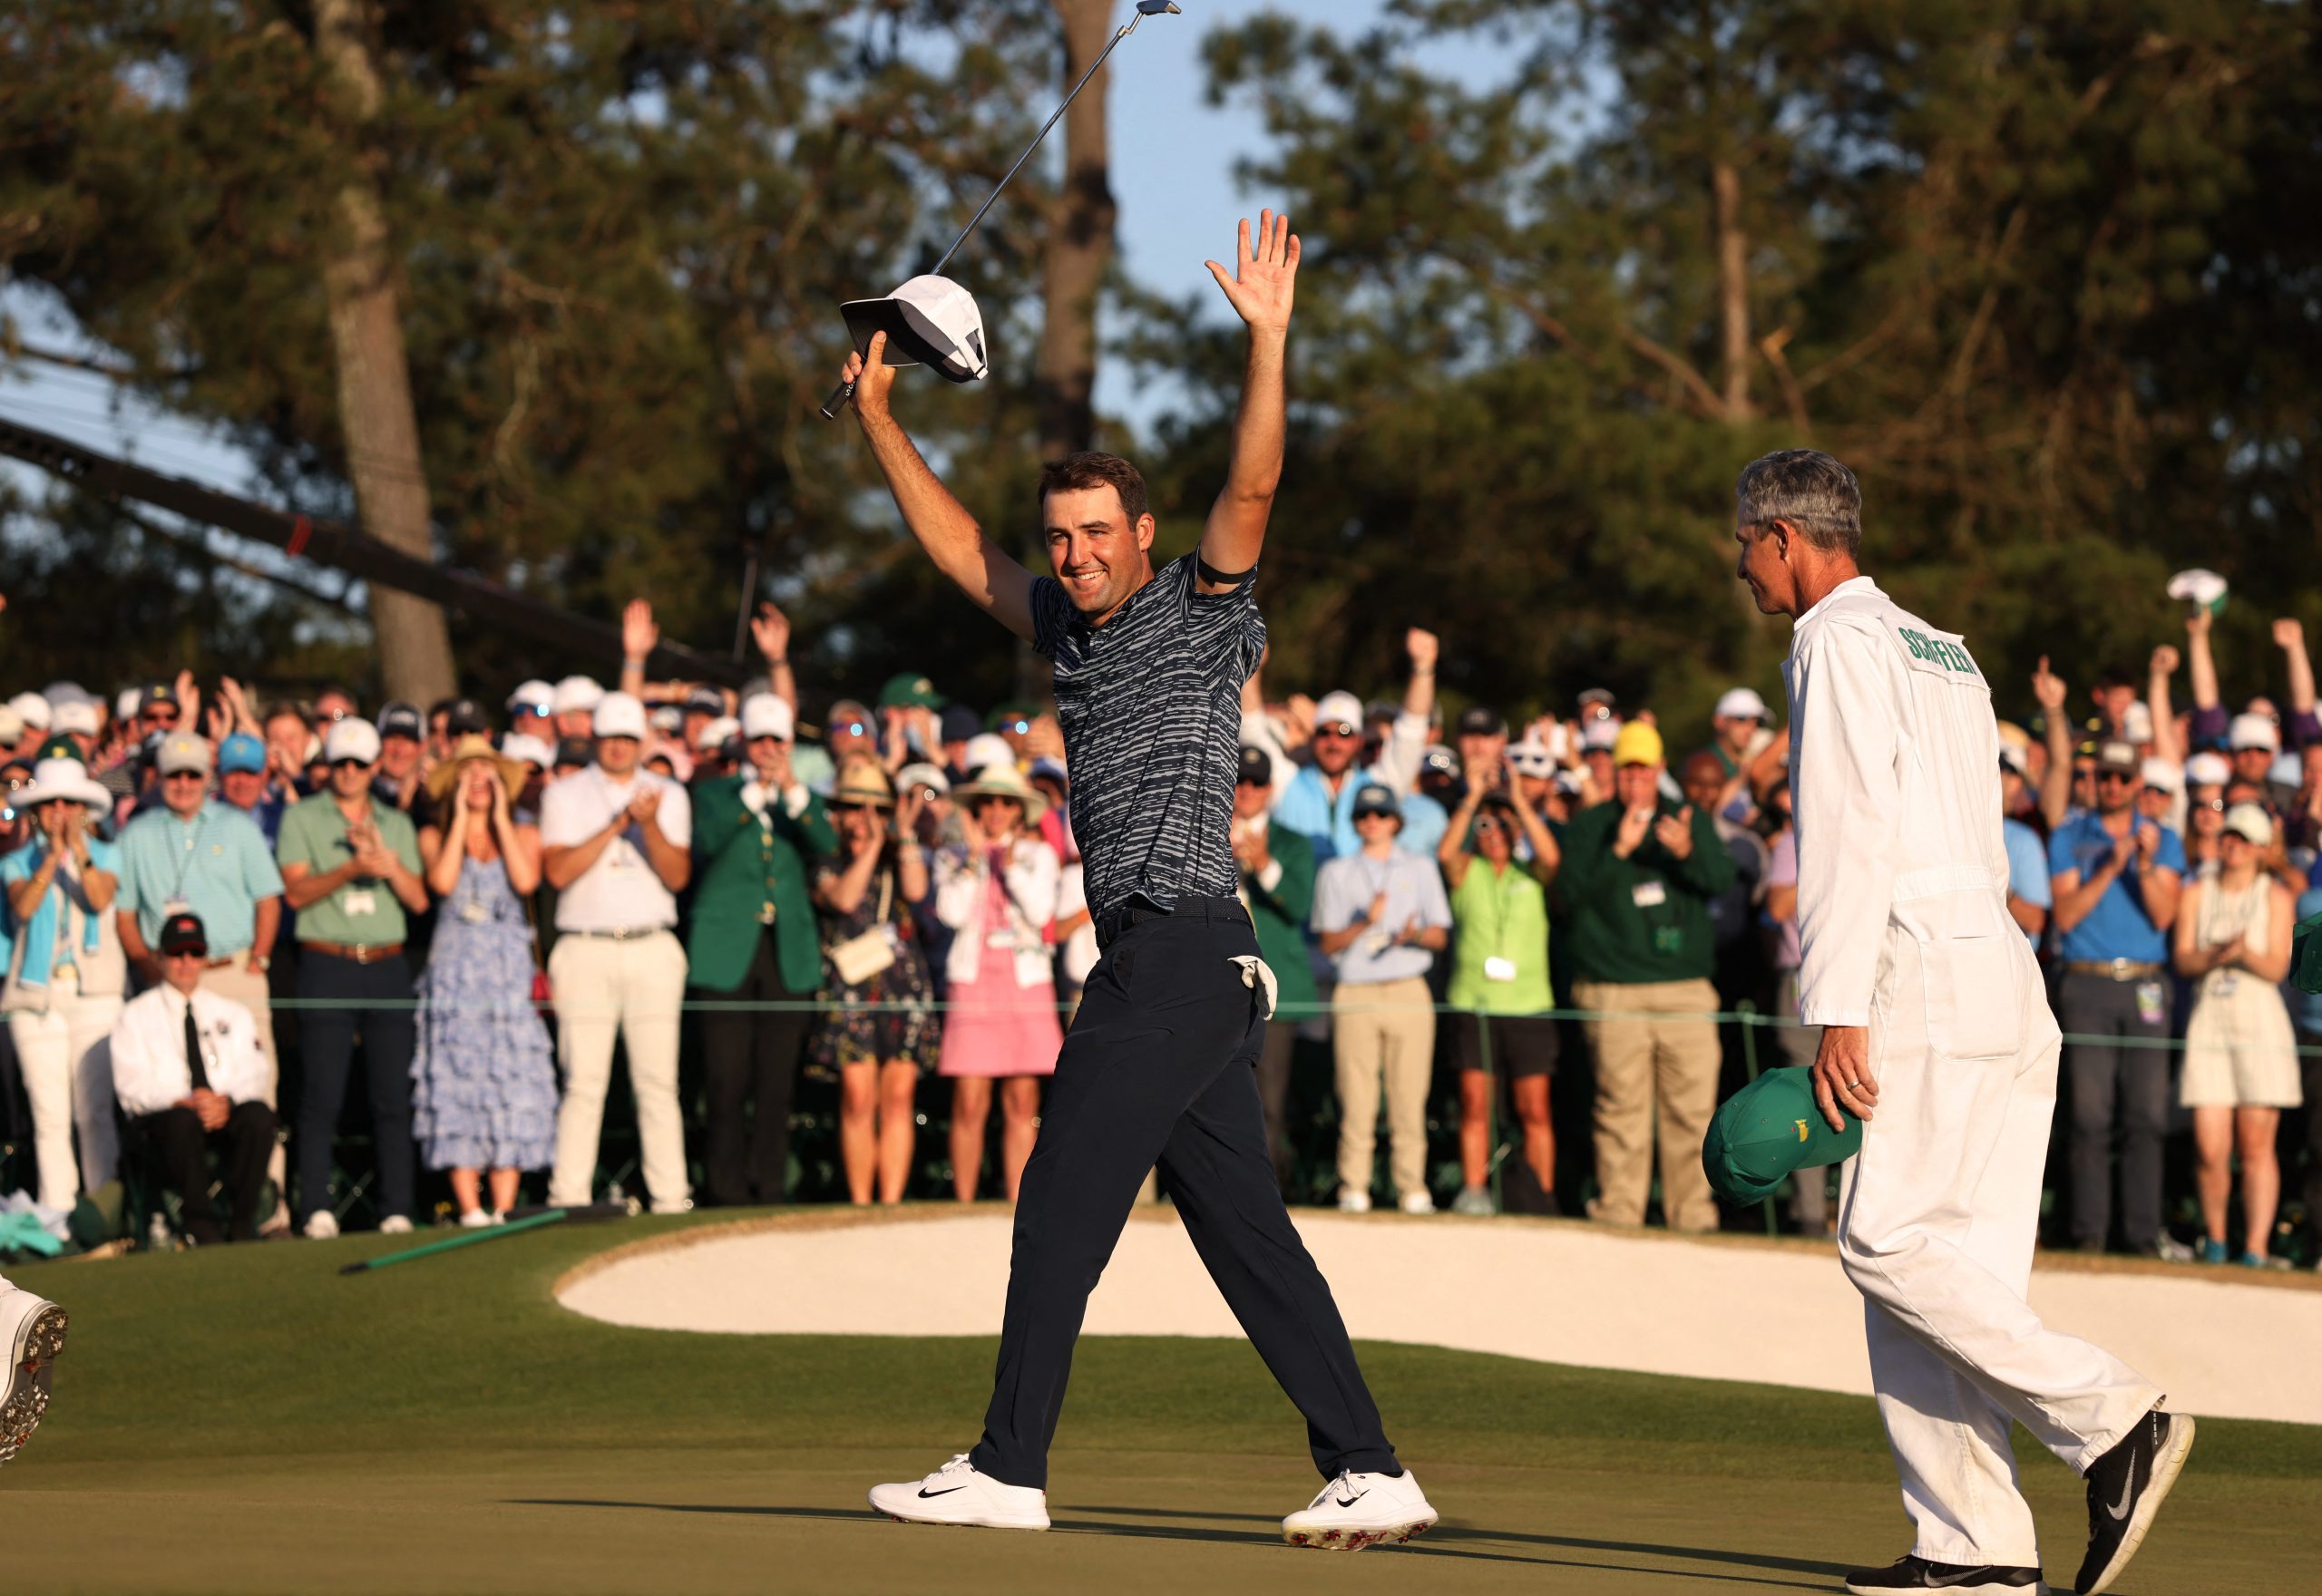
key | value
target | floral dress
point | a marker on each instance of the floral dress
(849, 1032)
(483, 1075)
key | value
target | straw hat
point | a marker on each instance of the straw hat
(863, 780)
(1003, 781)
(467, 751)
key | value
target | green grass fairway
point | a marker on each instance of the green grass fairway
(248, 1421)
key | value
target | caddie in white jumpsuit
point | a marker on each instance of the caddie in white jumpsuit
(1937, 1035)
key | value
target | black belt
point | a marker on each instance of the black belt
(1114, 923)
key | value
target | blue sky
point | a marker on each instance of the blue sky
(1173, 176)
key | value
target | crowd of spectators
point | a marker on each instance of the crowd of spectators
(476, 910)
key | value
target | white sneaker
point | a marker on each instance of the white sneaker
(1354, 1511)
(474, 1219)
(1353, 1202)
(957, 1494)
(32, 1334)
(1473, 1201)
(322, 1225)
(1417, 1203)
(396, 1225)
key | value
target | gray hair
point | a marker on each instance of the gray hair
(1809, 490)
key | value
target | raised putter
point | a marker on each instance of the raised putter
(931, 320)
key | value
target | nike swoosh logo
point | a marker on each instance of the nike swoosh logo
(1350, 1501)
(925, 1493)
(2128, 1489)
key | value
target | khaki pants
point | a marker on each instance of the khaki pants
(1384, 1030)
(635, 988)
(1657, 1062)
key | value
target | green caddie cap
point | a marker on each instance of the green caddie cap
(1768, 1129)
(2305, 956)
(910, 690)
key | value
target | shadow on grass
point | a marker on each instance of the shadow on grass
(1453, 1532)
(1443, 1541)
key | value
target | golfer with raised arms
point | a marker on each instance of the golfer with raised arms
(1159, 1067)
(1936, 1034)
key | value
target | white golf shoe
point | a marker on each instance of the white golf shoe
(1354, 1511)
(957, 1494)
(32, 1334)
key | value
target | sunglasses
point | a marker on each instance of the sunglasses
(186, 955)
(163, 713)
(2116, 778)
(1018, 726)
(537, 711)
(848, 808)
(1488, 825)
(182, 775)
(2214, 805)
(853, 728)
(357, 763)
(1341, 729)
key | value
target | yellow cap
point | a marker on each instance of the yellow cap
(1638, 744)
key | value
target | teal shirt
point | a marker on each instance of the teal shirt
(314, 833)
(216, 863)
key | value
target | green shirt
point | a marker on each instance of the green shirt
(1499, 915)
(361, 913)
(1646, 918)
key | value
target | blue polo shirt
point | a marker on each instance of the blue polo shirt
(218, 864)
(2118, 927)
(1305, 806)
(2027, 865)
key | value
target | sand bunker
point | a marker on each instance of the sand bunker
(1559, 1292)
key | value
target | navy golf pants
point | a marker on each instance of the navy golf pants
(1158, 1069)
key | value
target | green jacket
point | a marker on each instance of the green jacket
(1620, 933)
(740, 866)
(1279, 916)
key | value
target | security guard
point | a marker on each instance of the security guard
(1935, 1034)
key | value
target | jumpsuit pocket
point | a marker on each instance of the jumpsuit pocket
(1975, 998)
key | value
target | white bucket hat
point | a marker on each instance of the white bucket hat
(67, 780)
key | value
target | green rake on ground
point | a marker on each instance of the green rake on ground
(519, 1220)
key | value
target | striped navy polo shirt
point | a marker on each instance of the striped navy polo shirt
(1151, 707)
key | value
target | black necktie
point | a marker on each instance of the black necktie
(193, 1050)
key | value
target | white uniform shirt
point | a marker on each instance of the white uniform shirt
(149, 1068)
(621, 892)
(1894, 759)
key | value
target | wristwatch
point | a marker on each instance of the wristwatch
(265, 961)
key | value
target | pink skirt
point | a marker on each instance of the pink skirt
(996, 1028)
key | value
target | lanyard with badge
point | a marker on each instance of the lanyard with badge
(1381, 938)
(1498, 967)
(356, 902)
(1651, 897)
(176, 902)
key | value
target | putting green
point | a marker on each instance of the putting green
(246, 1420)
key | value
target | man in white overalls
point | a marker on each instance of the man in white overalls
(1935, 1031)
